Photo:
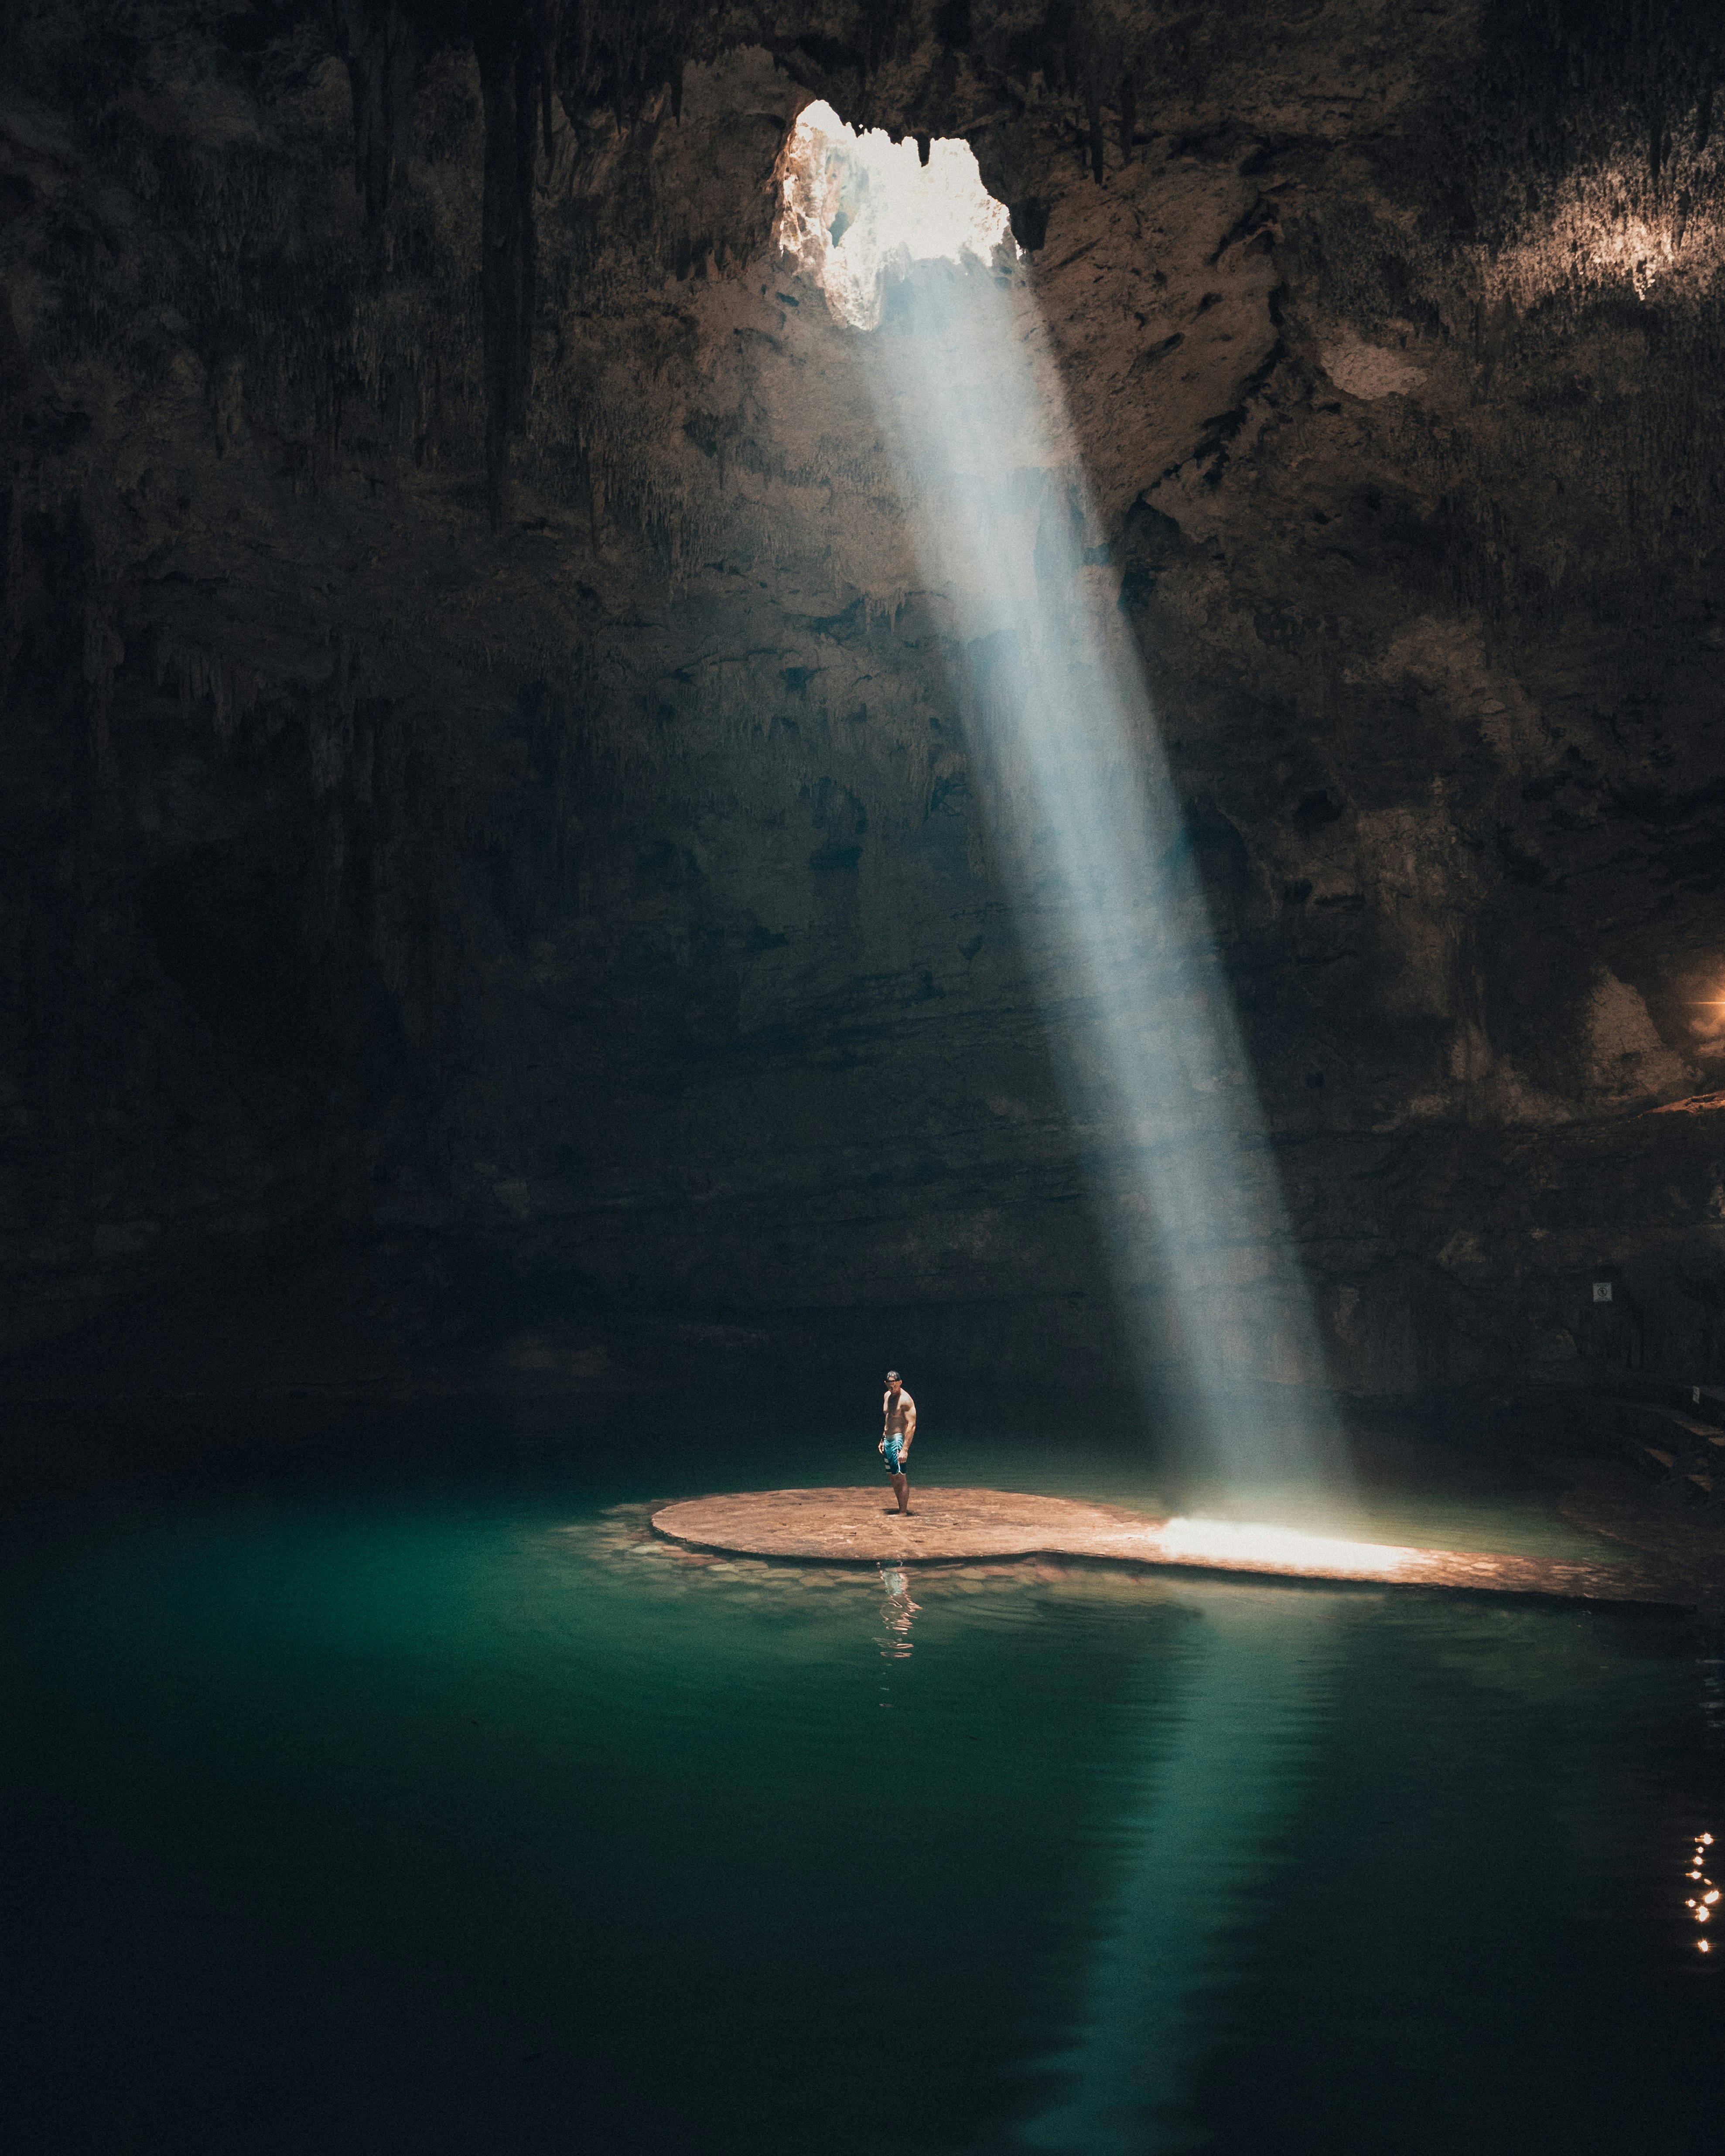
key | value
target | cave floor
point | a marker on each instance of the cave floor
(848, 1525)
(1606, 1497)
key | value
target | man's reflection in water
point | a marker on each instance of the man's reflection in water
(897, 1612)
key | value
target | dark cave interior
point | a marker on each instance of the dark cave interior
(494, 893)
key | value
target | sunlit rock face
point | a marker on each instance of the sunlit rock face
(432, 946)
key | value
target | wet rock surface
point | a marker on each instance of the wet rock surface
(436, 908)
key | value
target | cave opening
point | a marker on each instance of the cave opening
(858, 211)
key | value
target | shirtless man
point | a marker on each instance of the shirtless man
(898, 1422)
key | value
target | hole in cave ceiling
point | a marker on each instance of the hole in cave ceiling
(857, 210)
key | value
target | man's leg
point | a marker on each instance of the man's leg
(902, 1491)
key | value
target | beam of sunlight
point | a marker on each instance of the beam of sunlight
(1081, 814)
(1198, 1846)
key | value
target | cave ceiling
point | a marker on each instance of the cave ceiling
(488, 791)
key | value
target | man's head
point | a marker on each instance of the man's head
(893, 1381)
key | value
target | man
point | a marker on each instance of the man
(899, 1426)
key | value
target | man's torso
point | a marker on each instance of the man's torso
(898, 1413)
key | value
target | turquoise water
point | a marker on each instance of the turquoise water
(412, 1805)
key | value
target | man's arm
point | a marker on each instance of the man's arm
(909, 1423)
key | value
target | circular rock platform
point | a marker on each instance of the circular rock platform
(855, 1526)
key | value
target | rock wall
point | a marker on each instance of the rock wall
(462, 890)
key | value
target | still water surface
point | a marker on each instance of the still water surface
(421, 1806)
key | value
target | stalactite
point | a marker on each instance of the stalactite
(1090, 57)
(510, 51)
(619, 57)
(1093, 117)
(198, 674)
(881, 21)
(381, 46)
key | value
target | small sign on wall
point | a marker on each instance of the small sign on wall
(1602, 1290)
